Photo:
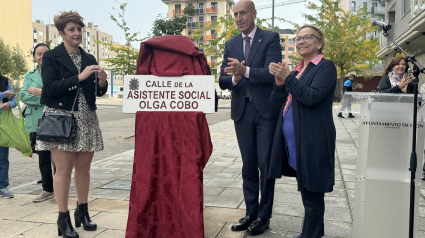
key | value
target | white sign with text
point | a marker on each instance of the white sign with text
(164, 93)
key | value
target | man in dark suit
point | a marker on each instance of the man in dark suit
(245, 72)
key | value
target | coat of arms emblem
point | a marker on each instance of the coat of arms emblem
(134, 84)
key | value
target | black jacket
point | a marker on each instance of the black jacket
(385, 86)
(60, 80)
(315, 134)
(4, 81)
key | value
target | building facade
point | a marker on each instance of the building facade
(407, 20)
(288, 45)
(15, 24)
(205, 11)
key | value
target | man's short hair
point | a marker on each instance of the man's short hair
(352, 75)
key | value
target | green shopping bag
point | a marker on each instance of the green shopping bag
(12, 132)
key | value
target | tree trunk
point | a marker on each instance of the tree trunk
(339, 85)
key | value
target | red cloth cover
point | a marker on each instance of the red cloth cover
(171, 150)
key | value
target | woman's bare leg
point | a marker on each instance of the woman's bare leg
(64, 162)
(82, 175)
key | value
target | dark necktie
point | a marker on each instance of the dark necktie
(247, 49)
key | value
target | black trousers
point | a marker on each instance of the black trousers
(314, 205)
(255, 139)
(45, 165)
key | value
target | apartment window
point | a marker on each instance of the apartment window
(41, 33)
(53, 36)
(290, 50)
(282, 41)
(35, 40)
(41, 41)
(214, 4)
(93, 44)
(201, 18)
(101, 46)
(353, 6)
(290, 59)
(190, 5)
(201, 5)
(52, 45)
(93, 52)
(200, 45)
(212, 32)
(365, 4)
(406, 6)
(213, 71)
(213, 59)
(290, 41)
(92, 36)
(213, 18)
(190, 19)
(103, 54)
(106, 39)
(290, 66)
(382, 4)
(34, 30)
(101, 38)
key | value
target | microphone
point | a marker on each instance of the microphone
(383, 25)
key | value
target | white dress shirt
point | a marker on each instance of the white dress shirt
(251, 36)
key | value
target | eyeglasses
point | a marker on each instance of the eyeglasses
(306, 38)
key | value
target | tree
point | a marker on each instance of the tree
(12, 63)
(174, 26)
(345, 36)
(125, 61)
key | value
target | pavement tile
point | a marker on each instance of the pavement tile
(212, 228)
(286, 223)
(219, 182)
(15, 228)
(51, 230)
(109, 220)
(109, 205)
(109, 194)
(111, 234)
(222, 201)
(213, 191)
(17, 212)
(233, 192)
(223, 214)
(337, 229)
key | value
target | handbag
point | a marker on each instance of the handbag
(57, 127)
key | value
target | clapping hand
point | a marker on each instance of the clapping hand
(404, 82)
(88, 71)
(236, 69)
(102, 77)
(280, 72)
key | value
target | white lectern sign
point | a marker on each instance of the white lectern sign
(161, 93)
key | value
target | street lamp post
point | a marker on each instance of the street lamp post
(272, 15)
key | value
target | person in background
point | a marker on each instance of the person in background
(7, 101)
(30, 95)
(304, 140)
(396, 79)
(348, 87)
(69, 75)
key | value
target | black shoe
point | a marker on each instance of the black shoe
(298, 236)
(243, 223)
(39, 181)
(259, 226)
(65, 226)
(340, 115)
(81, 215)
(351, 115)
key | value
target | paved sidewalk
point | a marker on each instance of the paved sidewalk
(223, 197)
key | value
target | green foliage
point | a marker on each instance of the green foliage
(12, 63)
(345, 34)
(125, 61)
(174, 26)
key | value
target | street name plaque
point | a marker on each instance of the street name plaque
(162, 93)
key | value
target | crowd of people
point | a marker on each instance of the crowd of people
(283, 119)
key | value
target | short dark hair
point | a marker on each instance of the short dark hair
(38, 45)
(395, 62)
(63, 18)
(352, 75)
(320, 36)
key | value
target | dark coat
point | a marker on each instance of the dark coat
(264, 50)
(60, 80)
(385, 86)
(312, 99)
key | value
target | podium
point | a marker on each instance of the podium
(382, 193)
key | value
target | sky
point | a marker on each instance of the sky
(141, 14)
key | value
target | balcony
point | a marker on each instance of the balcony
(227, 10)
(178, 11)
(199, 11)
(212, 63)
(383, 41)
(418, 6)
(212, 9)
(211, 37)
(191, 25)
(377, 11)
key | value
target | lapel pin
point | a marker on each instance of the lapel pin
(259, 40)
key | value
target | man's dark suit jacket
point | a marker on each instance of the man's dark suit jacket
(60, 80)
(265, 49)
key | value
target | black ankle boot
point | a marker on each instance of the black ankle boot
(65, 226)
(81, 215)
(340, 115)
